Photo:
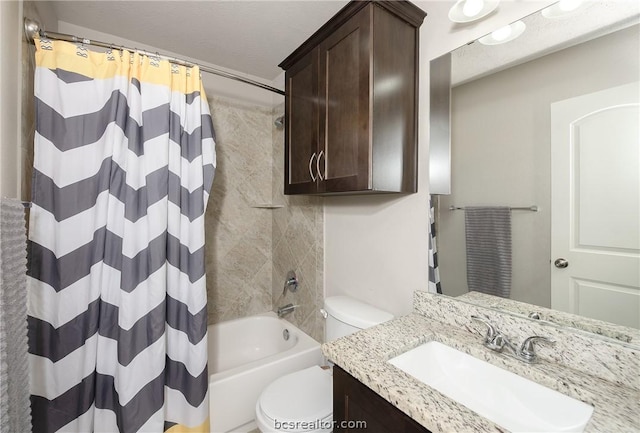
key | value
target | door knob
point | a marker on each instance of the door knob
(561, 263)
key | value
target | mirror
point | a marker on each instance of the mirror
(509, 108)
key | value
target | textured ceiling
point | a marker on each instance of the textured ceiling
(251, 37)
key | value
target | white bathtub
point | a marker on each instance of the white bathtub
(245, 355)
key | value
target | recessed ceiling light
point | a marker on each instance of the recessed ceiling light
(504, 34)
(465, 11)
(561, 9)
(472, 8)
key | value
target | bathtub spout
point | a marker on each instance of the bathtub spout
(286, 309)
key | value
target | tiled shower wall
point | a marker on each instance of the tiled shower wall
(250, 250)
(297, 236)
(238, 235)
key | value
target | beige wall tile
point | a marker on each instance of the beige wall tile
(297, 231)
(250, 251)
(239, 242)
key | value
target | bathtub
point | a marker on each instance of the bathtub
(247, 354)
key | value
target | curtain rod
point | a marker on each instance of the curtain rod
(32, 29)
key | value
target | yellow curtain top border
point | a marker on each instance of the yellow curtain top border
(77, 58)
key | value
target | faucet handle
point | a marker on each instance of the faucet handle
(491, 330)
(527, 349)
(291, 283)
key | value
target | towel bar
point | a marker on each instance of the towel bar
(533, 208)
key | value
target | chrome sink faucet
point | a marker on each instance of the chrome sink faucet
(497, 341)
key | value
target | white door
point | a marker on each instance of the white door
(595, 205)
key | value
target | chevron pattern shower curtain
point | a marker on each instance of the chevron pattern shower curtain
(124, 161)
(434, 270)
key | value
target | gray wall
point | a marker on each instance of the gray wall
(43, 13)
(501, 152)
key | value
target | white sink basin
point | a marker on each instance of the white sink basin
(509, 400)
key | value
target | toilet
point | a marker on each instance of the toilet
(302, 402)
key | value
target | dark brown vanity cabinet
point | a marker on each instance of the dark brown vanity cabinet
(357, 408)
(351, 103)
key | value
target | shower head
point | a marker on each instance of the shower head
(279, 122)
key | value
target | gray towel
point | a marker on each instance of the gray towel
(15, 410)
(488, 236)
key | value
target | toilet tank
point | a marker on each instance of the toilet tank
(345, 315)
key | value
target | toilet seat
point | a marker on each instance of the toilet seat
(297, 402)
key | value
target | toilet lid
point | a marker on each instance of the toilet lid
(303, 396)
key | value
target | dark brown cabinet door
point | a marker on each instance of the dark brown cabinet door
(351, 104)
(356, 408)
(301, 134)
(344, 140)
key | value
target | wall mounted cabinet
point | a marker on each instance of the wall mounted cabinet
(351, 103)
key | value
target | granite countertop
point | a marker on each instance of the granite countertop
(365, 354)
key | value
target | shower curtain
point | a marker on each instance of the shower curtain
(434, 270)
(124, 161)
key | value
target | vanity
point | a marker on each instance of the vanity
(591, 370)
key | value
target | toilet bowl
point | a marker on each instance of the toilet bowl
(297, 402)
(302, 402)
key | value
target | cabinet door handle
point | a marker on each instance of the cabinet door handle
(311, 169)
(318, 165)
